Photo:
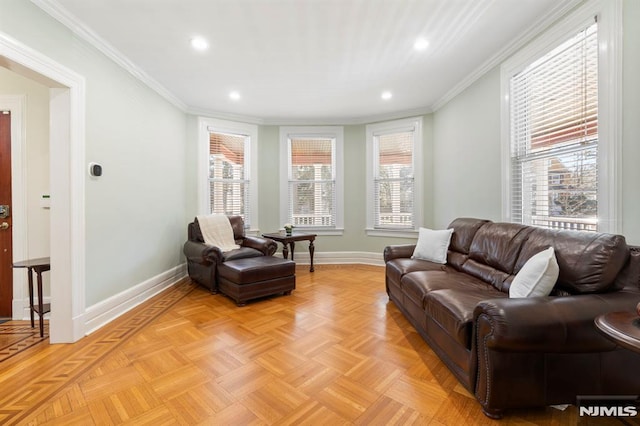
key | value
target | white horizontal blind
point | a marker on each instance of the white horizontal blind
(394, 180)
(312, 183)
(228, 185)
(554, 136)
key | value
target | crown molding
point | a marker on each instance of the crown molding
(534, 30)
(337, 121)
(59, 13)
(201, 112)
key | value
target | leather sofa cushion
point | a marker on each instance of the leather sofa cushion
(498, 245)
(494, 252)
(452, 309)
(397, 268)
(417, 285)
(464, 229)
(589, 262)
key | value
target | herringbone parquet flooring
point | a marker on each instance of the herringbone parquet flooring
(334, 352)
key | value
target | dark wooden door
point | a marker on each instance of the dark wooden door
(6, 258)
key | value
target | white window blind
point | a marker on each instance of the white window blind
(394, 184)
(228, 183)
(554, 136)
(312, 182)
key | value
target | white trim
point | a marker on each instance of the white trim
(103, 312)
(391, 233)
(302, 257)
(17, 105)
(610, 102)
(333, 132)
(67, 144)
(415, 124)
(610, 20)
(59, 13)
(207, 125)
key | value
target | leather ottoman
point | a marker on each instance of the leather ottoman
(254, 277)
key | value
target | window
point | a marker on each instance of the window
(313, 180)
(228, 187)
(557, 110)
(394, 175)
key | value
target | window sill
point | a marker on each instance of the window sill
(400, 233)
(320, 231)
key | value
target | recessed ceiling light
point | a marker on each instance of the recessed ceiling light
(234, 95)
(199, 43)
(386, 95)
(421, 44)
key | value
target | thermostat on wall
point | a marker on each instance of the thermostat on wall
(95, 169)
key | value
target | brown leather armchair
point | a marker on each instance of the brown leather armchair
(203, 259)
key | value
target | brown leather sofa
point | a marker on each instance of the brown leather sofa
(203, 259)
(522, 352)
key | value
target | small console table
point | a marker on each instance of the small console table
(289, 242)
(39, 266)
(621, 327)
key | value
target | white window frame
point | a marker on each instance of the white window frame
(328, 132)
(396, 126)
(609, 15)
(211, 125)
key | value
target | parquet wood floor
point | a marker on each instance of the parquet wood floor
(334, 352)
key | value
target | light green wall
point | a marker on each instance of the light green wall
(631, 123)
(136, 212)
(269, 178)
(467, 156)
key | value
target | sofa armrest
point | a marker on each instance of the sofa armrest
(202, 253)
(547, 324)
(398, 251)
(265, 245)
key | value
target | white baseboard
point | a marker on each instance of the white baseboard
(339, 257)
(106, 311)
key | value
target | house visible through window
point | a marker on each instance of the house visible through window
(393, 154)
(394, 182)
(228, 184)
(554, 136)
(312, 187)
(312, 182)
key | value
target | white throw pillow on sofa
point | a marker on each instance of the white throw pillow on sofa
(537, 277)
(432, 245)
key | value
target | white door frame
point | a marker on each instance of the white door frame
(67, 181)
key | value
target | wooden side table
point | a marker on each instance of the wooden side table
(39, 266)
(621, 327)
(289, 243)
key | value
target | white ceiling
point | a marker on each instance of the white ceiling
(308, 60)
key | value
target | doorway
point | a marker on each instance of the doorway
(67, 178)
(6, 208)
